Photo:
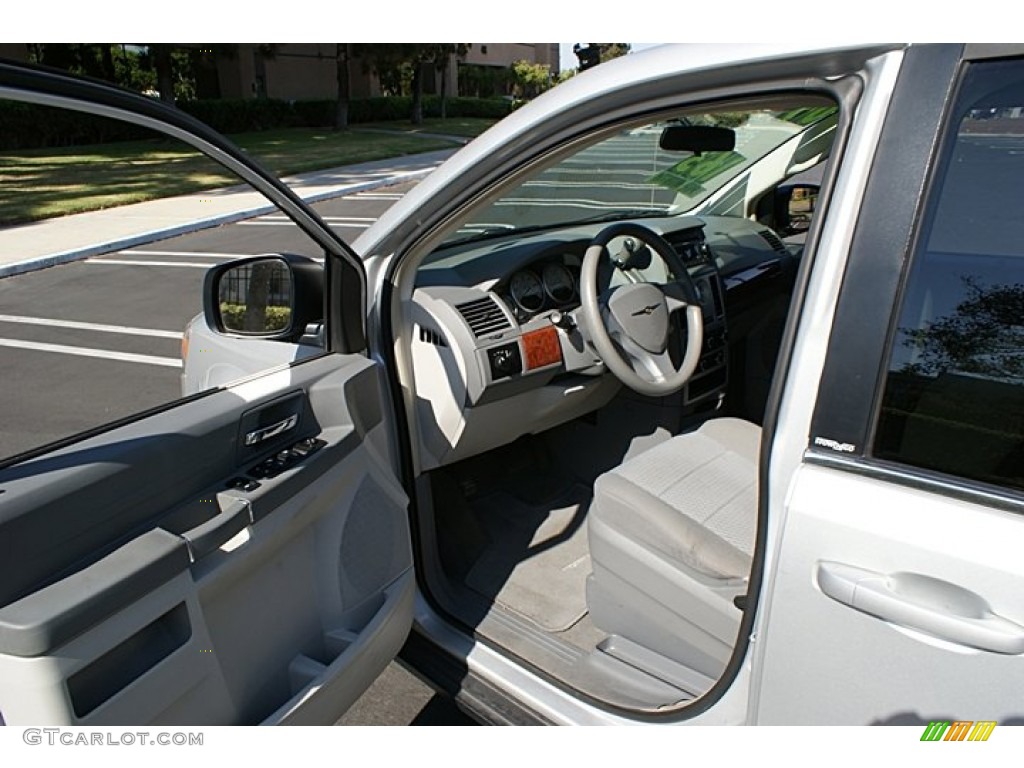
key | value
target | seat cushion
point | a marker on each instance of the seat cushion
(692, 499)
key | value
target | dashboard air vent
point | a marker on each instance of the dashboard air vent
(773, 240)
(430, 336)
(484, 316)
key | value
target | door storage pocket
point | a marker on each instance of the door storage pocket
(117, 668)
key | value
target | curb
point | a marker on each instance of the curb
(77, 254)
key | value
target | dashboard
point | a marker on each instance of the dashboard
(498, 345)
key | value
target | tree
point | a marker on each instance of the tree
(444, 54)
(611, 51)
(423, 55)
(399, 63)
(983, 335)
(343, 57)
(131, 70)
(389, 61)
(90, 59)
(160, 56)
(417, 91)
(593, 54)
(530, 79)
(483, 82)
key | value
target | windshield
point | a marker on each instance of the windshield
(630, 176)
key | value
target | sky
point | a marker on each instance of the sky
(747, 21)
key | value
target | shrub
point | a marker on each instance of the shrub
(464, 106)
(241, 115)
(277, 318)
(27, 126)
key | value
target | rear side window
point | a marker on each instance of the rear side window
(953, 398)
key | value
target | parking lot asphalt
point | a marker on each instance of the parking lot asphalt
(399, 698)
(88, 342)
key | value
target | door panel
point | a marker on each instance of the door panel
(182, 597)
(953, 562)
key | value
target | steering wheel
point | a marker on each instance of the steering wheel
(629, 324)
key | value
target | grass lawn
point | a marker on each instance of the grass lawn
(42, 183)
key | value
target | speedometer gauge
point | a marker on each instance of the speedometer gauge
(558, 283)
(527, 291)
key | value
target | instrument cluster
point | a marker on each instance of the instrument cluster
(549, 285)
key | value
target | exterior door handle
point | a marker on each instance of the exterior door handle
(923, 603)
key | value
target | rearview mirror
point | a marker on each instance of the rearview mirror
(271, 297)
(697, 139)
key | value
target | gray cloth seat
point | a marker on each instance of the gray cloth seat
(671, 537)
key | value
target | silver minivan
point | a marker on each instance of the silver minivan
(689, 393)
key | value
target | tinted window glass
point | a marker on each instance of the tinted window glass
(954, 392)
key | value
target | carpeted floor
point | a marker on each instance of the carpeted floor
(537, 560)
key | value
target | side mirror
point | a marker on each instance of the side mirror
(794, 208)
(268, 297)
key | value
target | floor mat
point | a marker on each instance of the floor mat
(537, 561)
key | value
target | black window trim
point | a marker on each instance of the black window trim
(844, 414)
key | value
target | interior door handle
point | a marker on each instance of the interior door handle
(920, 602)
(259, 435)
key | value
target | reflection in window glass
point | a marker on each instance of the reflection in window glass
(954, 394)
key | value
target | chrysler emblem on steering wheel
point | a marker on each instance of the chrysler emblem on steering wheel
(648, 310)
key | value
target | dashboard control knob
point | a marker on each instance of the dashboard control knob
(505, 361)
(502, 360)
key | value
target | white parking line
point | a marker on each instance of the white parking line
(130, 263)
(328, 219)
(541, 202)
(289, 223)
(123, 329)
(191, 254)
(104, 354)
(590, 184)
